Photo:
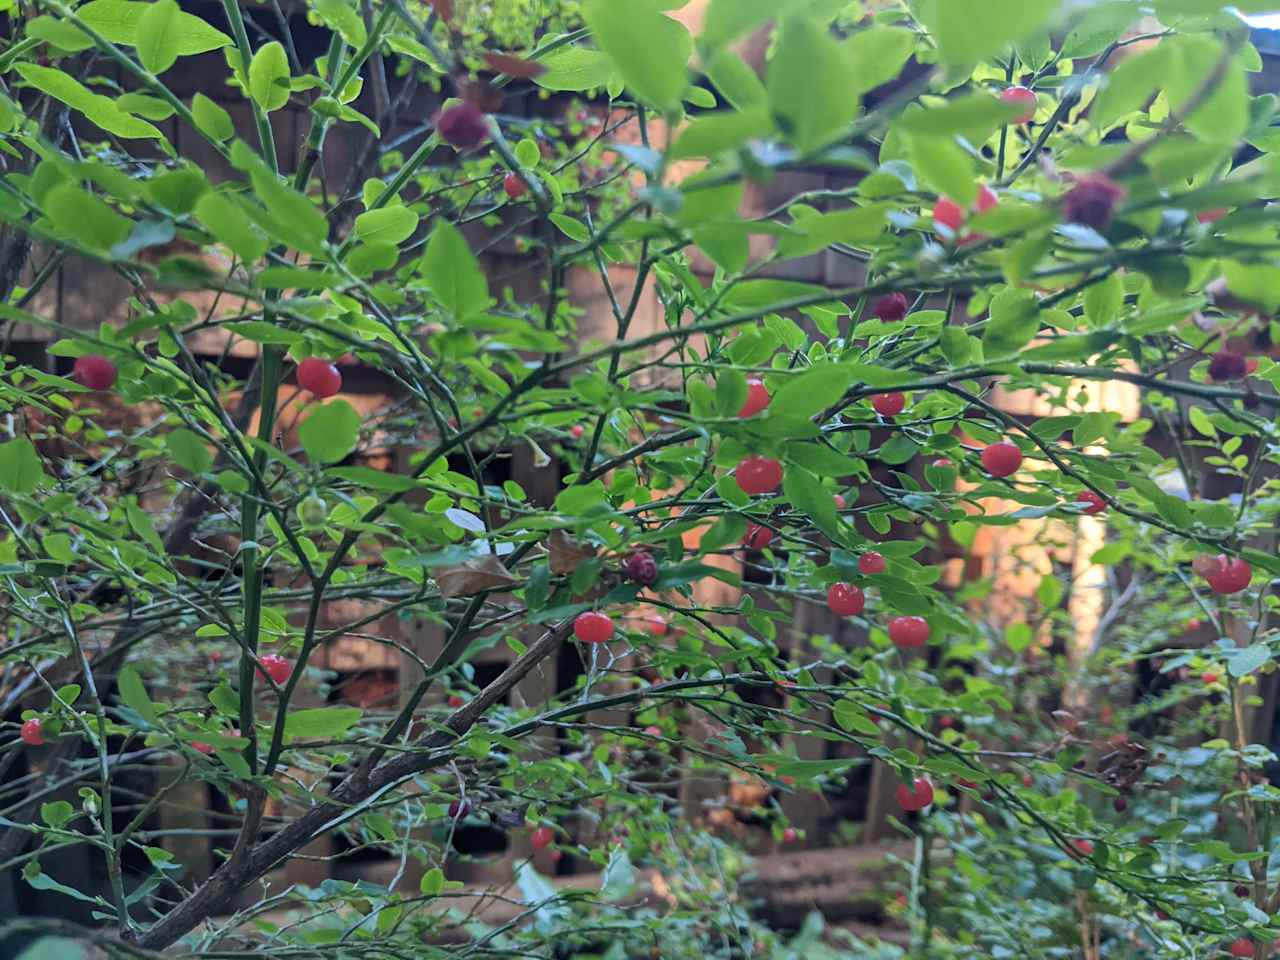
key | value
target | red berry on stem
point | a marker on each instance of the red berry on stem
(463, 126)
(592, 627)
(1023, 98)
(514, 186)
(542, 837)
(1209, 677)
(916, 797)
(839, 501)
(1234, 576)
(94, 372)
(789, 835)
(891, 308)
(759, 475)
(642, 568)
(941, 463)
(1120, 804)
(1212, 216)
(871, 563)
(889, 404)
(658, 627)
(653, 731)
(455, 700)
(1002, 459)
(319, 377)
(1083, 847)
(277, 667)
(846, 600)
(988, 199)
(757, 537)
(200, 747)
(757, 398)
(577, 430)
(32, 733)
(1243, 947)
(949, 214)
(909, 633)
(1095, 503)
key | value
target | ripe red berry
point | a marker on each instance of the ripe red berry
(1083, 847)
(200, 747)
(1194, 624)
(909, 633)
(988, 199)
(889, 404)
(891, 308)
(455, 701)
(757, 398)
(463, 126)
(757, 537)
(94, 372)
(592, 627)
(1226, 365)
(319, 377)
(1234, 576)
(946, 721)
(839, 501)
(1243, 947)
(514, 186)
(1095, 503)
(846, 600)
(657, 627)
(1209, 677)
(542, 837)
(1002, 459)
(642, 568)
(277, 667)
(653, 731)
(577, 430)
(1212, 216)
(759, 475)
(789, 835)
(871, 563)
(1023, 98)
(1092, 201)
(916, 797)
(32, 733)
(949, 214)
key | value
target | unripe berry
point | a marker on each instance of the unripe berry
(312, 513)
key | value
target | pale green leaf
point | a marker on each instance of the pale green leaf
(330, 433)
(269, 76)
(156, 35)
(452, 274)
(811, 112)
(20, 468)
(650, 51)
(387, 225)
(213, 121)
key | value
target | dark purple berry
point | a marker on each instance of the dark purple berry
(1121, 804)
(642, 568)
(1227, 365)
(1092, 201)
(892, 308)
(459, 809)
(463, 126)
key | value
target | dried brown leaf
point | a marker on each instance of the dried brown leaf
(566, 553)
(473, 576)
(514, 66)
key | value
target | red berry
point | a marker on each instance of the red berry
(988, 199)
(941, 463)
(909, 633)
(891, 308)
(1026, 780)
(1021, 97)
(592, 627)
(846, 600)
(1234, 576)
(757, 398)
(949, 214)
(966, 783)
(1194, 624)
(889, 404)
(641, 567)
(577, 430)
(1092, 201)
(200, 747)
(1002, 459)
(916, 797)
(455, 700)
(789, 835)
(653, 731)
(1242, 947)
(1083, 847)
(759, 475)
(32, 733)
(94, 372)
(1209, 677)
(757, 537)
(871, 563)
(839, 501)
(657, 627)
(514, 186)
(319, 377)
(946, 721)
(1095, 503)
(463, 126)
(542, 838)
(1207, 565)
(1212, 216)
(277, 667)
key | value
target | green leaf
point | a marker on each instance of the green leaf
(878, 55)
(20, 468)
(58, 33)
(289, 216)
(214, 122)
(134, 693)
(387, 225)
(57, 814)
(812, 391)
(726, 20)
(651, 51)
(736, 81)
(575, 68)
(226, 219)
(810, 112)
(1244, 662)
(715, 133)
(331, 432)
(432, 882)
(79, 214)
(1130, 84)
(452, 274)
(179, 190)
(851, 716)
(1015, 320)
(974, 116)
(822, 460)
(856, 227)
(153, 108)
(942, 165)
(1103, 301)
(731, 392)
(117, 21)
(140, 522)
(188, 450)
(1254, 282)
(321, 723)
(269, 76)
(967, 31)
(807, 494)
(156, 35)
(1200, 420)
(344, 18)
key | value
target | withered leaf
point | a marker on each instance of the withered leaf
(514, 66)
(472, 576)
(443, 9)
(566, 553)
